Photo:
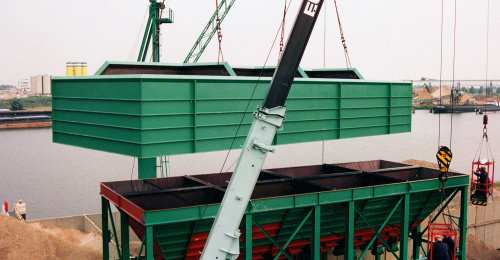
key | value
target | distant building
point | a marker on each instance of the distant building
(40, 85)
(23, 84)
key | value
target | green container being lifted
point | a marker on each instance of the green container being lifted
(148, 110)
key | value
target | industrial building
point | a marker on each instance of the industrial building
(40, 85)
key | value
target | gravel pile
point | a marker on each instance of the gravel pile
(19, 240)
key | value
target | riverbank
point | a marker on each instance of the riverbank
(39, 118)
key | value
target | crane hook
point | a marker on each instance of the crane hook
(444, 156)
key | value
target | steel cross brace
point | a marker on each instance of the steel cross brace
(295, 232)
(282, 249)
(452, 218)
(272, 240)
(377, 233)
(441, 210)
(140, 248)
(114, 232)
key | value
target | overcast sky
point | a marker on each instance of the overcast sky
(386, 39)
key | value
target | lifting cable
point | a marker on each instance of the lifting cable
(346, 54)
(282, 31)
(485, 137)
(485, 117)
(324, 38)
(487, 51)
(135, 45)
(444, 154)
(242, 117)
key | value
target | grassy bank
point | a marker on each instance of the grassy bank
(30, 103)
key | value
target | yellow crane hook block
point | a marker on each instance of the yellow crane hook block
(444, 156)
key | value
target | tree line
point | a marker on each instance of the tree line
(23, 103)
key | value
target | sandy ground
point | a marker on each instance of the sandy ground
(19, 240)
(476, 249)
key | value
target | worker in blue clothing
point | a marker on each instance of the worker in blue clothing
(439, 249)
(451, 245)
(482, 180)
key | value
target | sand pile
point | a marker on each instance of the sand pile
(445, 91)
(477, 249)
(423, 93)
(19, 240)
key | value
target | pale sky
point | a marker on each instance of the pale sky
(386, 39)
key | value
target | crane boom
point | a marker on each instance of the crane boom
(223, 240)
(206, 35)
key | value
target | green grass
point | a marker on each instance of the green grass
(496, 185)
(31, 103)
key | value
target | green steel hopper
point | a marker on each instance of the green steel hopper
(147, 110)
(293, 211)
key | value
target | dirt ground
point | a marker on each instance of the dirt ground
(476, 249)
(19, 240)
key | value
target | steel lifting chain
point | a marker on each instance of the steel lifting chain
(346, 54)
(282, 30)
(219, 32)
(485, 130)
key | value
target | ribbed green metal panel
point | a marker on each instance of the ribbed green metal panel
(154, 115)
(374, 203)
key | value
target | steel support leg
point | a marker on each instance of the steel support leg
(403, 227)
(417, 242)
(149, 243)
(316, 234)
(349, 232)
(147, 168)
(248, 237)
(463, 223)
(124, 236)
(105, 228)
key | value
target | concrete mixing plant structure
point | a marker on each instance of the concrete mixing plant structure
(146, 110)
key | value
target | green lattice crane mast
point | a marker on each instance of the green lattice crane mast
(223, 240)
(208, 32)
(152, 31)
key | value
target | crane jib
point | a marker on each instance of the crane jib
(311, 7)
(292, 54)
(223, 239)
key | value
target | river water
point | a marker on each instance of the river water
(58, 180)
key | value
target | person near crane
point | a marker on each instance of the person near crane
(482, 180)
(451, 245)
(5, 208)
(439, 249)
(20, 210)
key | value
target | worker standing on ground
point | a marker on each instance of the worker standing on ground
(20, 209)
(5, 208)
(439, 249)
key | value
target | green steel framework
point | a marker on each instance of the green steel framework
(312, 215)
(152, 31)
(206, 35)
